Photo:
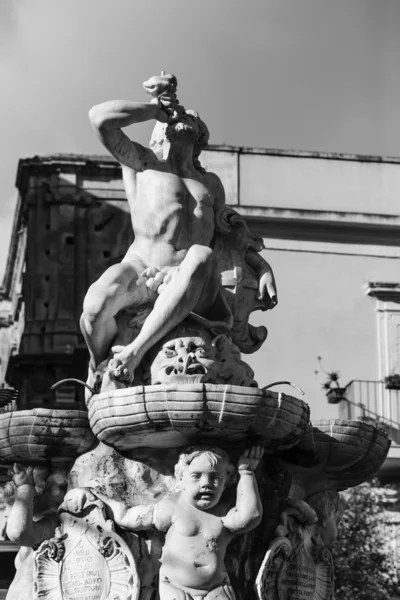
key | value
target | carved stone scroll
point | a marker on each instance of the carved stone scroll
(88, 561)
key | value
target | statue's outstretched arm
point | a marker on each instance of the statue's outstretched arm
(108, 118)
(141, 517)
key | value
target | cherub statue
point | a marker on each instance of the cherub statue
(33, 496)
(198, 521)
(37, 492)
(171, 266)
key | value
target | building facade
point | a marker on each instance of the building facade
(331, 229)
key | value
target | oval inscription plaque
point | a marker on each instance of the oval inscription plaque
(297, 579)
(85, 574)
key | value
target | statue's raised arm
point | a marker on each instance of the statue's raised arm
(110, 117)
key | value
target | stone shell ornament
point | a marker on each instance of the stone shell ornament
(171, 416)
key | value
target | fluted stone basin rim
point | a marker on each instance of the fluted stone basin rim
(173, 415)
(41, 434)
(340, 453)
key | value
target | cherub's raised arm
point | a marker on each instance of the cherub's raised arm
(108, 118)
(247, 513)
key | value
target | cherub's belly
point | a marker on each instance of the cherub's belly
(190, 562)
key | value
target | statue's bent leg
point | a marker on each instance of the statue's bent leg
(196, 280)
(116, 289)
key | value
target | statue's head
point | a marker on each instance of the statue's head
(203, 473)
(329, 507)
(188, 128)
(191, 353)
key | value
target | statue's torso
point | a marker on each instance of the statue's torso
(202, 540)
(170, 213)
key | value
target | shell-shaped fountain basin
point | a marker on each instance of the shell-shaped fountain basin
(161, 416)
(337, 454)
(42, 435)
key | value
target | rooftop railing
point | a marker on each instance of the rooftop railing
(372, 401)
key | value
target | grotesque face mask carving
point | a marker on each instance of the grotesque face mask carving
(187, 359)
(191, 354)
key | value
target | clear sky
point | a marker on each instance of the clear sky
(291, 74)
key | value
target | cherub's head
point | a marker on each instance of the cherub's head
(187, 128)
(203, 473)
(329, 507)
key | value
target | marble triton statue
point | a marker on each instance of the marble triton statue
(171, 265)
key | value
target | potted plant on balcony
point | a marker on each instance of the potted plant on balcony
(334, 392)
(392, 382)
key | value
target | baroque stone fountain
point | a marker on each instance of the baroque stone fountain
(184, 480)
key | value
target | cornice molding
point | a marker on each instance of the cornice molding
(386, 291)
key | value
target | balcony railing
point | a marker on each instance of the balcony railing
(371, 401)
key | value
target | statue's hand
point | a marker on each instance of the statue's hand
(160, 84)
(267, 287)
(169, 108)
(123, 363)
(75, 500)
(163, 90)
(250, 458)
(21, 475)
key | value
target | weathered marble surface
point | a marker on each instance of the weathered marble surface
(334, 455)
(298, 563)
(143, 476)
(44, 435)
(174, 415)
(86, 560)
(331, 455)
(147, 475)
